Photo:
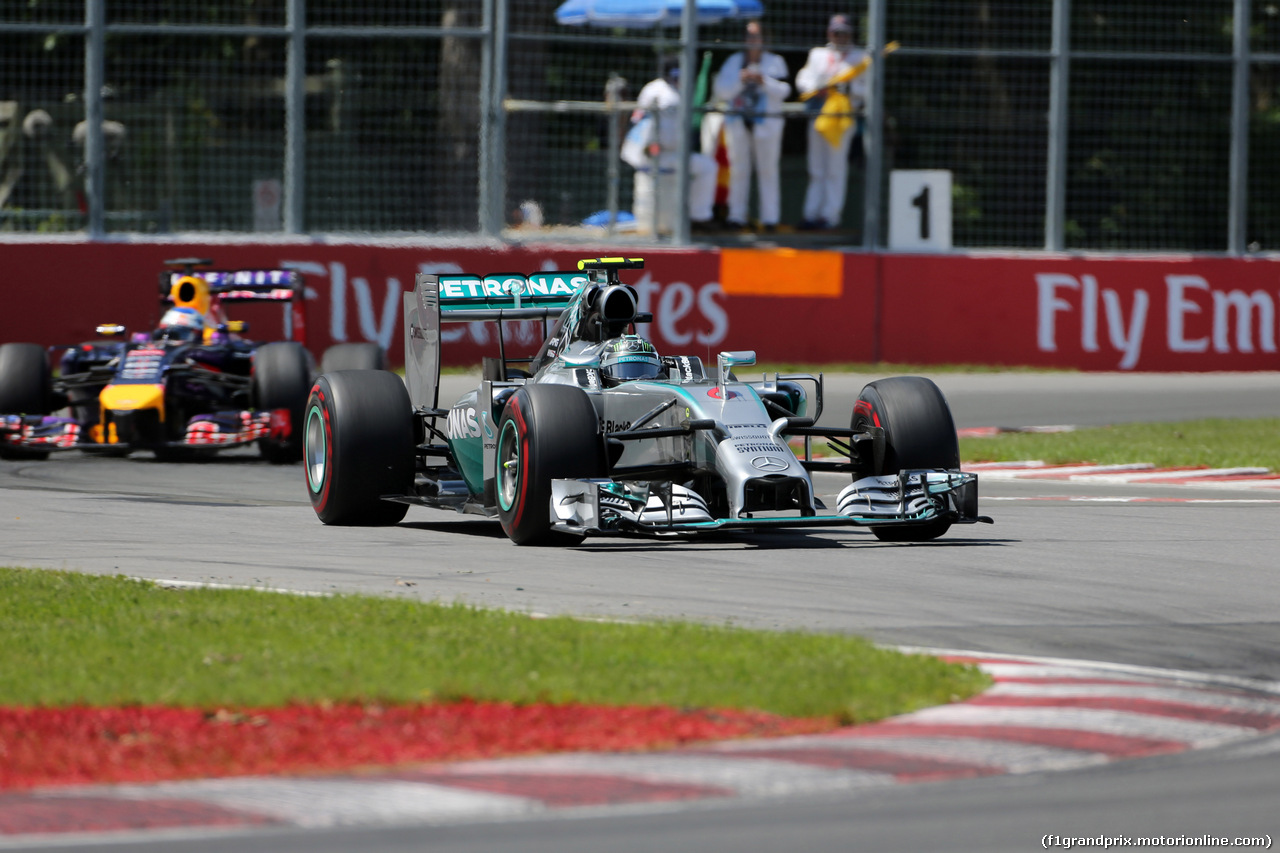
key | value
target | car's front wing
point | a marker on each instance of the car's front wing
(213, 430)
(600, 507)
(39, 432)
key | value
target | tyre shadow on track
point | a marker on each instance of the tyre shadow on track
(861, 544)
(762, 540)
(479, 527)
(640, 546)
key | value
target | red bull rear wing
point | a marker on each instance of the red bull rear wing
(202, 289)
(264, 285)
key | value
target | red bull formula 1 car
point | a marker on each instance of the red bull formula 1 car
(598, 434)
(193, 385)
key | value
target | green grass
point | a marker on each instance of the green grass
(1217, 443)
(71, 638)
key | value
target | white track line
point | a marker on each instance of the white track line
(329, 802)
(744, 776)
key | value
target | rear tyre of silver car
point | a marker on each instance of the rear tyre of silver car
(26, 388)
(281, 380)
(358, 445)
(919, 432)
(355, 356)
(546, 432)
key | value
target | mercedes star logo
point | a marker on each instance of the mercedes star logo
(770, 463)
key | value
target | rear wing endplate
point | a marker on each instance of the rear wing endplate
(422, 342)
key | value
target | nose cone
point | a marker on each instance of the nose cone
(131, 398)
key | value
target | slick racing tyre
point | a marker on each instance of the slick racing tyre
(358, 446)
(358, 356)
(546, 432)
(281, 380)
(918, 433)
(26, 388)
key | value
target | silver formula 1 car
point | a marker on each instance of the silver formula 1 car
(598, 434)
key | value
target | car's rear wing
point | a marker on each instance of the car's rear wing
(494, 298)
(240, 285)
(197, 288)
(507, 296)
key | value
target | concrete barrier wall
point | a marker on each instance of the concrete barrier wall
(1157, 313)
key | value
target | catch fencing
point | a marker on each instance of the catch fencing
(1110, 125)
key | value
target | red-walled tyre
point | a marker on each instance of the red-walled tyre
(919, 432)
(546, 432)
(358, 446)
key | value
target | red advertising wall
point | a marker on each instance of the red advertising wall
(1168, 313)
(1173, 313)
(56, 294)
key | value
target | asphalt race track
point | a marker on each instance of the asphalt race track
(1186, 578)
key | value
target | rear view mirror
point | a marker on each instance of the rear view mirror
(725, 362)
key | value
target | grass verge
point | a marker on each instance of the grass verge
(1216, 443)
(81, 639)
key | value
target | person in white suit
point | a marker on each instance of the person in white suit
(652, 149)
(752, 83)
(829, 153)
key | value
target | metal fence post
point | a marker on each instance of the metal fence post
(498, 165)
(688, 58)
(1238, 191)
(612, 95)
(1056, 165)
(486, 119)
(491, 159)
(95, 18)
(295, 122)
(874, 172)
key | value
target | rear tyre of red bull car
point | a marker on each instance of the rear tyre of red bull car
(358, 445)
(26, 388)
(545, 433)
(282, 380)
(919, 432)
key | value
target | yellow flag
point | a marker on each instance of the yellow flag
(835, 118)
(836, 115)
(850, 73)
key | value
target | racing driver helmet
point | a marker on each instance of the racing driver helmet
(181, 325)
(629, 357)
